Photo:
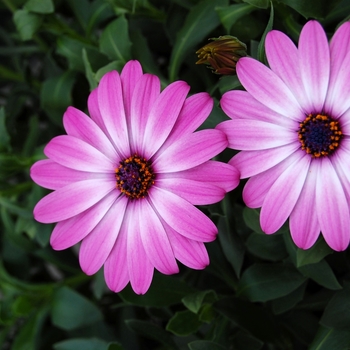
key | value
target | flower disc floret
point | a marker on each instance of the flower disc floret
(319, 135)
(134, 177)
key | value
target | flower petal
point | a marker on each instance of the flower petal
(182, 216)
(115, 268)
(139, 266)
(314, 64)
(195, 192)
(332, 207)
(78, 124)
(253, 135)
(71, 200)
(194, 112)
(283, 57)
(155, 240)
(258, 186)
(304, 225)
(268, 88)
(190, 151)
(282, 196)
(163, 115)
(71, 231)
(110, 101)
(216, 173)
(97, 245)
(145, 94)
(250, 163)
(130, 75)
(190, 253)
(77, 154)
(241, 105)
(53, 176)
(94, 110)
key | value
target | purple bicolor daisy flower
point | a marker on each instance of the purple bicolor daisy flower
(126, 180)
(292, 125)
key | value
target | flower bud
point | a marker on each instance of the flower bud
(222, 54)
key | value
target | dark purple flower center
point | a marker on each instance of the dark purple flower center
(319, 135)
(134, 177)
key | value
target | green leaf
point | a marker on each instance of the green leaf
(317, 9)
(115, 42)
(152, 331)
(184, 323)
(263, 282)
(313, 255)
(283, 304)
(200, 21)
(70, 310)
(40, 6)
(164, 291)
(228, 82)
(90, 76)
(231, 14)
(205, 345)
(194, 301)
(243, 341)
(337, 315)
(322, 274)
(26, 23)
(264, 4)
(252, 219)
(4, 135)
(82, 11)
(267, 247)
(56, 95)
(269, 27)
(81, 344)
(115, 65)
(330, 338)
(248, 316)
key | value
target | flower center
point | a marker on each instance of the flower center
(319, 135)
(134, 177)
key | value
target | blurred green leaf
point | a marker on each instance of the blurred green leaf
(90, 76)
(252, 219)
(263, 282)
(248, 316)
(231, 14)
(71, 310)
(81, 344)
(16, 209)
(313, 255)
(152, 331)
(201, 20)
(115, 42)
(195, 301)
(26, 23)
(184, 323)
(227, 83)
(243, 341)
(269, 27)
(283, 304)
(164, 291)
(317, 9)
(337, 315)
(330, 338)
(322, 274)
(114, 65)
(4, 135)
(40, 6)
(205, 345)
(267, 247)
(56, 95)
(82, 11)
(259, 3)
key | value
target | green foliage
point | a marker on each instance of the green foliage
(259, 291)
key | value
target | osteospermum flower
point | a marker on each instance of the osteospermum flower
(293, 127)
(126, 180)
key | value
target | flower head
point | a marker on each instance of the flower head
(222, 54)
(126, 180)
(293, 127)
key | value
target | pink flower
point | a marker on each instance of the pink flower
(293, 127)
(126, 181)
